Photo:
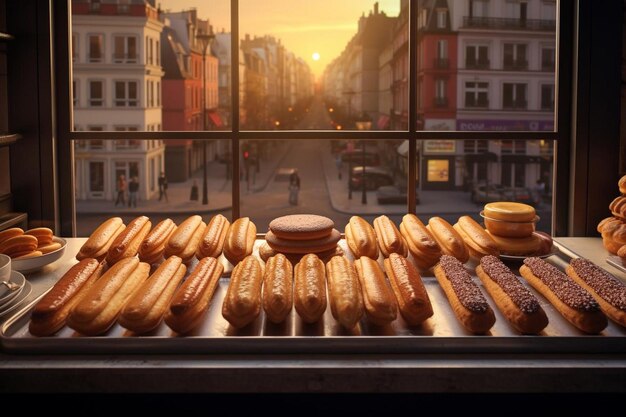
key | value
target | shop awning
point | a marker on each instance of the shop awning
(481, 157)
(403, 149)
(215, 119)
(383, 122)
(520, 159)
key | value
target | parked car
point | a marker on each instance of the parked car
(488, 193)
(356, 157)
(393, 194)
(375, 177)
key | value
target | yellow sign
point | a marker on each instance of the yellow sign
(439, 146)
(438, 170)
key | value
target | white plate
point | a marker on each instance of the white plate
(554, 251)
(34, 264)
(16, 302)
(5, 294)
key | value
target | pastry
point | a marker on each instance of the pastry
(406, 283)
(618, 207)
(266, 252)
(518, 246)
(478, 242)
(309, 294)
(389, 238)
(101, 239)
(509, 219)
(28, 255)
(448, 239)
(239, 240)
(50, 247)
(101, 304)
(50, 313)
(324, 244)
(378, 299)
(191, 300)
(213, 238)
(153, 246)
(361, 238)
(546, 243)
(422, 245)
(520, 307)
(301, 227)
(277, 288)
(185, 239)
(43, 235)
(609, 292)
(242, 303)
(127, 243)
(9, 233)
(344, 292)
(18, 246)
(622, 185)
(146, 308)
(468, 302)
(570, 299)
(613, 232)
(607, 221)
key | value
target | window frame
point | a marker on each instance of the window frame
(566, 32)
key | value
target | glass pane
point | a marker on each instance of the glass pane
(500, 69)
(331, 179)
(159, 56)
(169, 179)
(324, 64)
(459, 177)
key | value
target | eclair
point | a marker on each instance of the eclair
(467, 301)
(448, 239)
(100, 306)
(389, 238)
(609, 292)
(146, 308)
(153, 246)
(240, 239)
(478, 242)
(344, 292)
(43, 234)
(192, 299)
(213, 238)
(421, 243)
(127, 243)
(242, 303)
(378, 299)
(361, 238)
(101, 239)
(19, 246)
(520, 307)
(50, 313)
(570, 299)
(406, 283)
(310, 288)
(9, 233)
(277, 288)
(185, 239)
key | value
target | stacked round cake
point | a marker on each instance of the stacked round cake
(299, 234)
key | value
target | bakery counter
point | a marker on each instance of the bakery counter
(514, 364)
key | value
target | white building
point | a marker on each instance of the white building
(116, 87)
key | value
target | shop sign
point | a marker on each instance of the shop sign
(439, 146)
(438, 125)
(506, 125)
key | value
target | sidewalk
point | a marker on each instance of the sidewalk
(218, 187)
(430, 202)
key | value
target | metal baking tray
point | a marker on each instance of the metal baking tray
(442, 333)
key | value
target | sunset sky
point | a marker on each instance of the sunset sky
(304, 26)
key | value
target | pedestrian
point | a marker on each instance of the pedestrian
(121, 191)
(294, 188)
(339, 164)
(133, 190)
(540, 189)
(194, 191)
(163, 187)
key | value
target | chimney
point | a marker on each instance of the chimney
(376, 8)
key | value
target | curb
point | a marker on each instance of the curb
(278, 163)
(138, 211)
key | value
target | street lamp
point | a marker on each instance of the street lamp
(205, 39)
(364, 123)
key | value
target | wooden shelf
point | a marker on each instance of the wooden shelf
(5, 37)
(9, 139)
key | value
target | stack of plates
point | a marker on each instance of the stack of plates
(11, 299)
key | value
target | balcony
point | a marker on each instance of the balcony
(478, 104)
(441, 63)
(505, 23)
(122, 58)
(93, 58)
(440, 102)
(515, 105)
(477, 65)
(515, 65)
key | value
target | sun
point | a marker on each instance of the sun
(316, 56)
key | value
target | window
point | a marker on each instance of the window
(514, 96)
(547, 59)
(548, 9)
(441, 98)
(96, 177)
(515, 56)
(158, 94)
(125, 49)
(479, 8)
(516, 9)
(74, 47)
(96, 93)
(123, 6)
(477, 57)
(125, 93)
(442, 61)
(75, 93)
(96, 48)
(150, 51)
(158, 53)
(547, 97)
(423, 18)
(476, 94)
(442, 16)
